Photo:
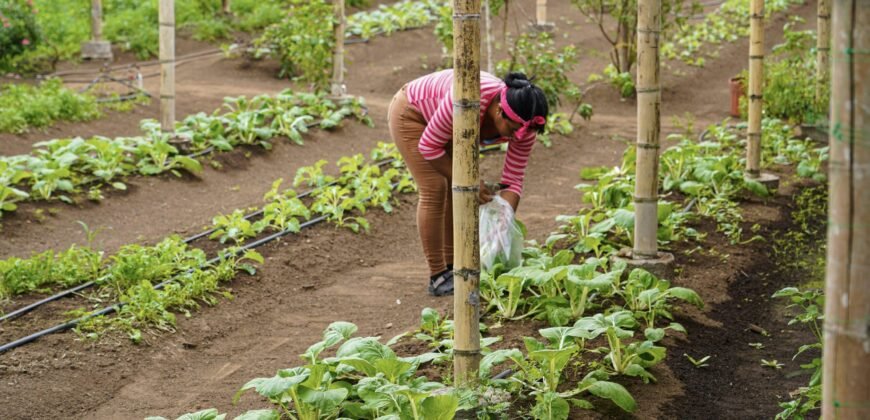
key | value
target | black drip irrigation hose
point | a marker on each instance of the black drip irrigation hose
(113, 308)
(24, 310)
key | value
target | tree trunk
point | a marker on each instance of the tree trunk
(823, 47)
(648, 129)
(225, 6)
(338, 88)
(466, 184)
(622, 49)
(167, 66)
(846, 354)
(756, 86)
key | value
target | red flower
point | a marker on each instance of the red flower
(25, 41)
(6, 24)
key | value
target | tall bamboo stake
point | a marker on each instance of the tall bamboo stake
(167, 66)
(338, 87)
(846, 353)
(487, 18)
(823, 46)
(96, 20)
(96, 48)
(541, 12)
(648, 129)
(466, 186)
(756, 83)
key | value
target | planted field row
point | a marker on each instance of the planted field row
(63, 167)
(24, 106)
(606, 323)
(136, 276)
(694, 42)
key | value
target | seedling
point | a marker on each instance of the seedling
(774, 364)
(757, 346)
(698, 363)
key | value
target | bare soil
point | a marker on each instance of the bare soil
(377, 280)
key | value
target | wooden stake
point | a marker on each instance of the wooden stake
(541, 12)
(648, 129)
(96, 20)
(466, 185)
(488, 24)
(225, 6)
(756, 86)
(338, 89)
(167, 66)
(823, 47)
(846, 353)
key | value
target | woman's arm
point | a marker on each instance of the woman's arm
(511, 197)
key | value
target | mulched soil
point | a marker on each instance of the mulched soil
(377, 280)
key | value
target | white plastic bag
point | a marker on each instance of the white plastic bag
(501, 237)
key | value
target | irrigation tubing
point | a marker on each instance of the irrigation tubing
(110, 309)
(114, 308)
(24, 310)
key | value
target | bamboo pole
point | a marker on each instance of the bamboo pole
(756, 85)
(541, 12)
(96, 20)
(466, 186)
(846, 353)
(167, 66)
(339, 89)
(96, 47)
(823, 46)
(648, 129)
(225, 6)
(487, 18)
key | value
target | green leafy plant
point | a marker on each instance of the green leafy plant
(698, 363)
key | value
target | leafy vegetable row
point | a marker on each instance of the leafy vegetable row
(132, 273)
(24, 106)
(729, 22)
(61, 167)
(709, 173)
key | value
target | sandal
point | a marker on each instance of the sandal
(441, 284)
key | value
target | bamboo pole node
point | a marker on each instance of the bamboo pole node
(465, 104)
(466, 352)
(648, 31)
(648, 146)
(467, 272)
(646, 199)
(466, 16)
(648, 90)
(465, 189)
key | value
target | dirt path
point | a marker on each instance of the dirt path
(322, 275)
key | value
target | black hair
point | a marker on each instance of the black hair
(526, 99)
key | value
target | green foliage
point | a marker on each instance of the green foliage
(622, 82)
(62, 167)
(24, 106)
(790, 80)
(389, 18)
(365, 380)
(18, 30)
(303, 42)
(693, 42)
(617, 21)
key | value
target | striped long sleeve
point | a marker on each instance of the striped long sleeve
(432, 95)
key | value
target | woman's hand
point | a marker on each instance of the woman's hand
(485, 195)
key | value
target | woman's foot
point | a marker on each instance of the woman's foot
(441, 284)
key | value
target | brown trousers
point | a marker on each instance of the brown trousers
(435, 206)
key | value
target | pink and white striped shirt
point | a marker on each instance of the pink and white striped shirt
(432, 95)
